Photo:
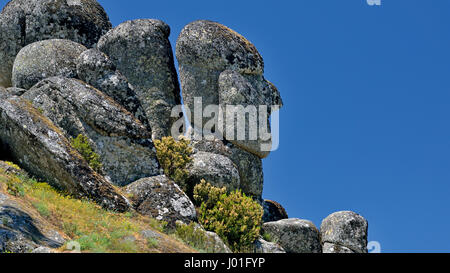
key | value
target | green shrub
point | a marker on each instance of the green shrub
(236, 218)
(174, 156)
(82, 145)
(14, 187)
(205, 193)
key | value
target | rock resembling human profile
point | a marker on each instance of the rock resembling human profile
(142, 52)
(221, 66)
(162, 199)
(273, 211)
(216, 169)
(247, 92)
(96, 69)
(346, 229)
(123, 143)
(23, 22)
(249, 166)
(294, 235)
(45, 59)
(262, 246)
(333, 248)
(42, 149)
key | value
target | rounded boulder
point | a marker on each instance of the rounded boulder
(45, 59)
(23, 22)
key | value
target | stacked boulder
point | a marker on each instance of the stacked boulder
(64, 77)
(219, 67)
(341, 232)
(142, 52)
(23, 22)
(67, 73)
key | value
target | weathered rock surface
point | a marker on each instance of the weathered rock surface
(20, 232)
(43, 150)
(96, 69)
(216, 244)
(247, 92)
(347, 229)
(23, 22)
(219, 65)
(123, 143)
(332, 248)
(249, 166)
(14, 91)
(162, 199)
(216, 169)
(142, 52)
(273, 211)
(43, 250)
(45, 59)
(294, 235)
(262, 246)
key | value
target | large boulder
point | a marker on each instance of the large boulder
(42, 149)
(294, 235)
(142, 52)
(123, 143)
(249, 166)
(219, 65)
(23, 22)
(45, 59)
(273, 211)
(96, 69)
(216, 169)
(162, 199)
(345, 229)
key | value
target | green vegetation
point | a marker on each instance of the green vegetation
(152, 243)
(267, 237)
(236, 218)
(195, 237)
(174, 156)
(82, 145)
(14, 187)
(83, 221)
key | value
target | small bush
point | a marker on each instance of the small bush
(174, 156)
(15, 187)
(205, 193)
(82, 145)
(236, 218)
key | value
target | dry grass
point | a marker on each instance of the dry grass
(96, 229)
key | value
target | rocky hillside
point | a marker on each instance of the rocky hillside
(87, 115)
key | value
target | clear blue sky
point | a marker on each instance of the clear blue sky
(365, 126)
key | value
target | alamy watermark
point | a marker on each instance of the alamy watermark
(374, 2)
(231, 122)
(374, 247)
